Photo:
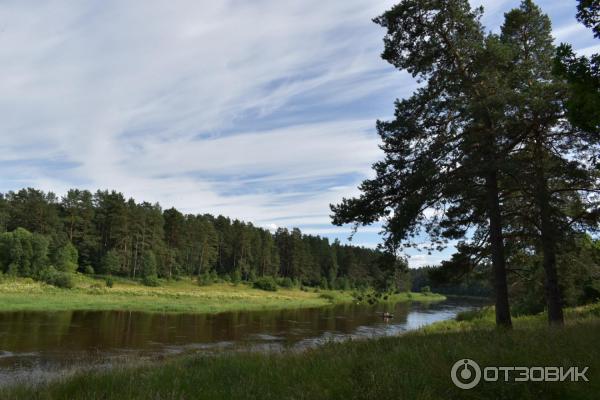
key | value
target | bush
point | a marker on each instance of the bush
(286, 283)
(426, 290)
(109, 282)
(88, 269)
(151, 280)
(204, 279)
(323, 284)
(236, 277)
(214, 277)
(57, 278)
(266, 283)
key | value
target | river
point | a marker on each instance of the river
(36, 344)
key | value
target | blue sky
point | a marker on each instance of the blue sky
(261, 110)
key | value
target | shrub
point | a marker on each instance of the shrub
(88, 269)
(204, 279)
(286, 282)
(63, 280)
(214, 277)
(57, 278)
(266, 283)
(426, 290)
(323, 284)
(109, 282)
(151, 280)
(236, 277)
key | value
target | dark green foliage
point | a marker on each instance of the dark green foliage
(109, 282)
(115, 235)
(149, 264)
(66, 257)
(236, 277)
(265, 283)
(56, 278)
(588, 13)
(89, 270)
(151, 280)
(23, 253)
(149, 274)
(582, 74)
(205, 279)
(111, 263)
(323, 284)
(286, 283)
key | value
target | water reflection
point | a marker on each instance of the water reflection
(40, 338)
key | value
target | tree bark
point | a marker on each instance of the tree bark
(548, 239)
(496, 240)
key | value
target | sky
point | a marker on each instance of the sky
(263, 111)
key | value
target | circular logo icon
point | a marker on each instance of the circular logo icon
(465, 374)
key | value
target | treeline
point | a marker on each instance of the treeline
(578, 266)
(105, 233)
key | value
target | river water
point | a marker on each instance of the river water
(42, 343)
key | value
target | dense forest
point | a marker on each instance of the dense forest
(105, 233)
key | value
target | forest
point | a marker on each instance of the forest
(45, 237)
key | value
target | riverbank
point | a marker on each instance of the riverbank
(416, 365)
(182, 296)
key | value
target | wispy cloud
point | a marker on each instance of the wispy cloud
(259, 110)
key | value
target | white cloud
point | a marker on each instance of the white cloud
(255, 110)
(136, 99)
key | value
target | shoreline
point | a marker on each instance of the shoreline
(183, 296)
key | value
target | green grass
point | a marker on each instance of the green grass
(413, 366)
(18, 294)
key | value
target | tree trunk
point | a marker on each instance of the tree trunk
(548, 239)
(497, 246)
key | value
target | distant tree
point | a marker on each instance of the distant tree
(23, 253)
(33, 210)
(111, 262)
(77, 213)
(149, 266)
(66, 257)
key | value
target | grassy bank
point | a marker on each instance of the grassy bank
(18, 294)
(413, 366)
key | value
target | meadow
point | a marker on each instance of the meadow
(184, 296)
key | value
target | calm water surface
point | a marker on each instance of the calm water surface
(49, 341)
